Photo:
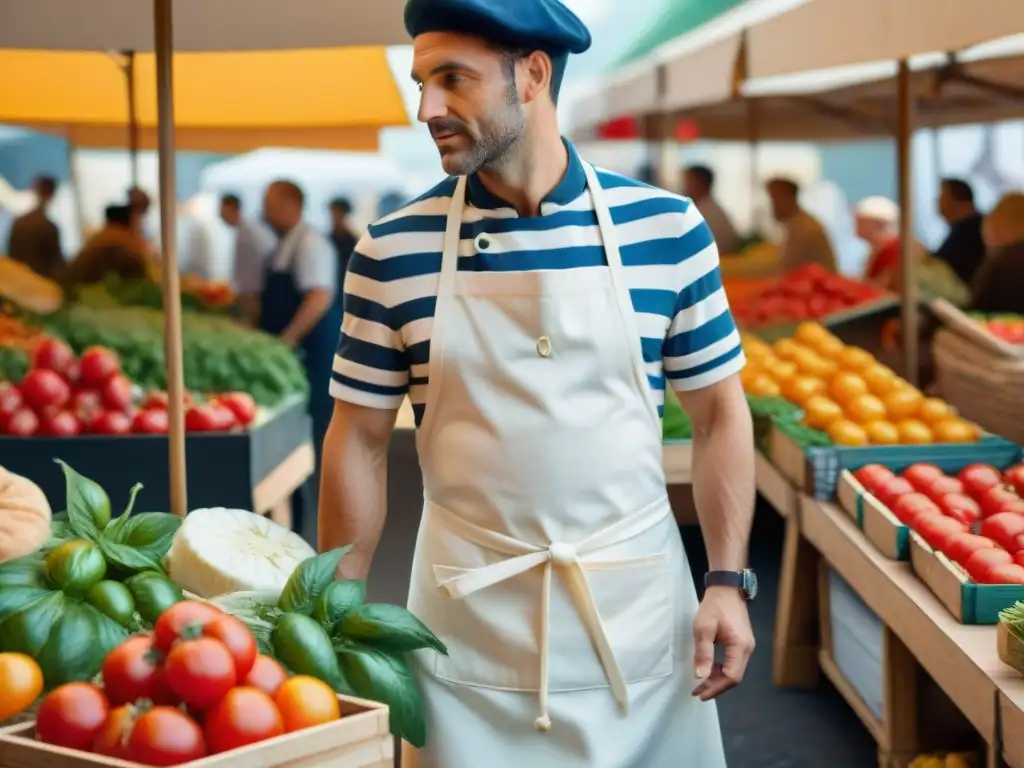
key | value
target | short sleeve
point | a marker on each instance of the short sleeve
(702, 346)
(250, 254)
(316, 264)
(371, 367)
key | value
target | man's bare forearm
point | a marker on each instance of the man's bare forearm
(353, 490)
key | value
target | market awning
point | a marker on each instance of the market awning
(228, 102)
(201, 25)
(833, 33)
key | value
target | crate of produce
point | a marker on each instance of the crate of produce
(1010, 637)
(1000, 335)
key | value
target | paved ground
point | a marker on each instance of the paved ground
(764, 727)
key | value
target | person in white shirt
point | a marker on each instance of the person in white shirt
(804, 239)
(254, 241)
(698, 182)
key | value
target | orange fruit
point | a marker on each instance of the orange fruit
(865, 409)
(762, 385)
(855, 359)
(800, 389)
(829, 347)
(903, 403)
(787, 349)
(780, 370)
(845, 432)
(880, 380)
(819, 412)
(935, 409)
(914, 432)
(813, 364)
(954, 430)
(809, 332)
(21, 680)
(882, 433)
(305, 702)
(846, 386)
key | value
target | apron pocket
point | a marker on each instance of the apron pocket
(494, 635)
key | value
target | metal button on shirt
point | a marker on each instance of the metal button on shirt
(544, 346)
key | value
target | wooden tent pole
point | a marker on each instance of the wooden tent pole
(908, 264)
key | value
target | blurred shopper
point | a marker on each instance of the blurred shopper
(698, 183)
(342, 235)
(999, 283)
(964, 248)
(140, 202)
(804, 239)
(117, 249)
(34, 239)
(254, 242)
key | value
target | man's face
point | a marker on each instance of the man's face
(467, 100)
(338, 217)
(946, 204)
(230, 214)
(278, 209)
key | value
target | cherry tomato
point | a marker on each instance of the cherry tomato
(922, 475)
(60, 424)
(942, 486)
(200, 671)
(204, 418)
(873, 476)
(21, 681)
(909, 507)
(10, 398)
(267, 675)
(243, 716)
(1005, 529)
(150, 422)
(53, 355)
(117, 393)
(112, 739)
(978, 478)
(1015, 477)
(22, 423)
(166, 736)
(960, 506)
(980, 564)
(45, 389)
(892, 490)
(305, 701)
(86, 405)
(1010, 573)
(189, 620)
(1000, 498)
(960, 546)
(134, 671)
(97, 365)
(241, 405)
(112, 423)
(72, 715)
(237, 638)
(937, 529)
(155, 400)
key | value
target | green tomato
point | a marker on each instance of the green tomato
(75, 567)
(153, 594)
(302, 645)
(113, 599)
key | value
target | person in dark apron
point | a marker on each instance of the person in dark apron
(301, 303)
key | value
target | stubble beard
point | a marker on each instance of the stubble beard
(500, 131)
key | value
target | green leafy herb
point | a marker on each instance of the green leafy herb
(88, 504)
(389, 628)
(27, 571)
(309, 580)
(380, 677)
(27, 630)
(337, 600)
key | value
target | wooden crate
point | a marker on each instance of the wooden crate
(1010, 648)
(361, 739)
(880, 526)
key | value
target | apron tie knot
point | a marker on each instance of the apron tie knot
(562, 554)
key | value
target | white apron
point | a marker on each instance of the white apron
(548, 559)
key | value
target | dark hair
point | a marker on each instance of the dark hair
(341, 204)
(231, 199)
(702, 173)
(46, 185)
(512, 55)
(118, 215)
(787, 184)
(959, 190)
(291, 189)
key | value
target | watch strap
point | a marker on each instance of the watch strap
(733, 579)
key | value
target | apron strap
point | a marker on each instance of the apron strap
(625, 304)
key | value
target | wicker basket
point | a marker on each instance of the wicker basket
(986, 387)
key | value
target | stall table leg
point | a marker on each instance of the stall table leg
(795, 651)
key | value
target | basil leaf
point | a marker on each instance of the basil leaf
(88, 504)
(60, 532)
(380, 677)
(115, 527)
(13, 599)
(129, 558)
(26, 571)
(338, 599)
(26, 631)
(389, 628)
(309, 580)
(149, 532)
(78, 644)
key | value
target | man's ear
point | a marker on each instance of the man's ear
(535, 73)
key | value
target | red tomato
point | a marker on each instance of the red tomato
(209, 418)
(922, 475)
(112, 423)
(1000, 498)
(112, 740)
(150, 422)
(166, 736)
(1004, 529)
(182, 620)
(244, 716)
(87, 404)
(10, 398)
(1010, 573)
(117, 393)
(981, 562)
(1018, 558)
(267, 675)
(937, 529)
(960, 506)
(73, 375)
(960, 546)
(60, 424)
(1015, 477)
(22, 423)
(237, 638)
(241, 405)
(72, 715)
(909, 507)
(978, 478)
(42, 389)
(53, 355)
(942, 486)
(134, 671)
(97, 365)
(188, 623)
(892, 490)
(873, 476)
(200, 671)
(225, 417)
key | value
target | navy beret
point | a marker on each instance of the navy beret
(545, 25)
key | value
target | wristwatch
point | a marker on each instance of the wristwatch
(745, 581)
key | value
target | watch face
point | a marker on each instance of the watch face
(750, 584)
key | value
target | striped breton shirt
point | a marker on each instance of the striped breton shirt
(669, 257)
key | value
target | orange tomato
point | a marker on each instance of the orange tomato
(881, 381)
(845, 432)
(914, 432)
(865, 409)
(749, 373)
(819, 412)
(903, 403)
(21, 682)
(882, 433)
(809, 332)
(305, 701)
(814, 364)
(787, 349)
(846, 386)
(761, 385)
(855, 359)
(780, 370)
(800, 389)
(829, 347)
(934, 409)
(954, 430)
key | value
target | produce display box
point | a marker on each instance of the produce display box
(360, 739)
(837, 322)
(1009, 647)
(958, 320)
(223, 469)
(969, 603)
(816, 471)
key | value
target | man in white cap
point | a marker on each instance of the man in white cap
(534, 309)
(877, 223)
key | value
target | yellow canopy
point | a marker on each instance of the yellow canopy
(330, 98)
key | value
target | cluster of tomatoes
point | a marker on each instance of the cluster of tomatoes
(64, 396)
(194, 687)
(976, 519)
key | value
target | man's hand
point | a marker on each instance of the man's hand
(721, 619)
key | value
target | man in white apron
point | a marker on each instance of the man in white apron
(533, 309)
